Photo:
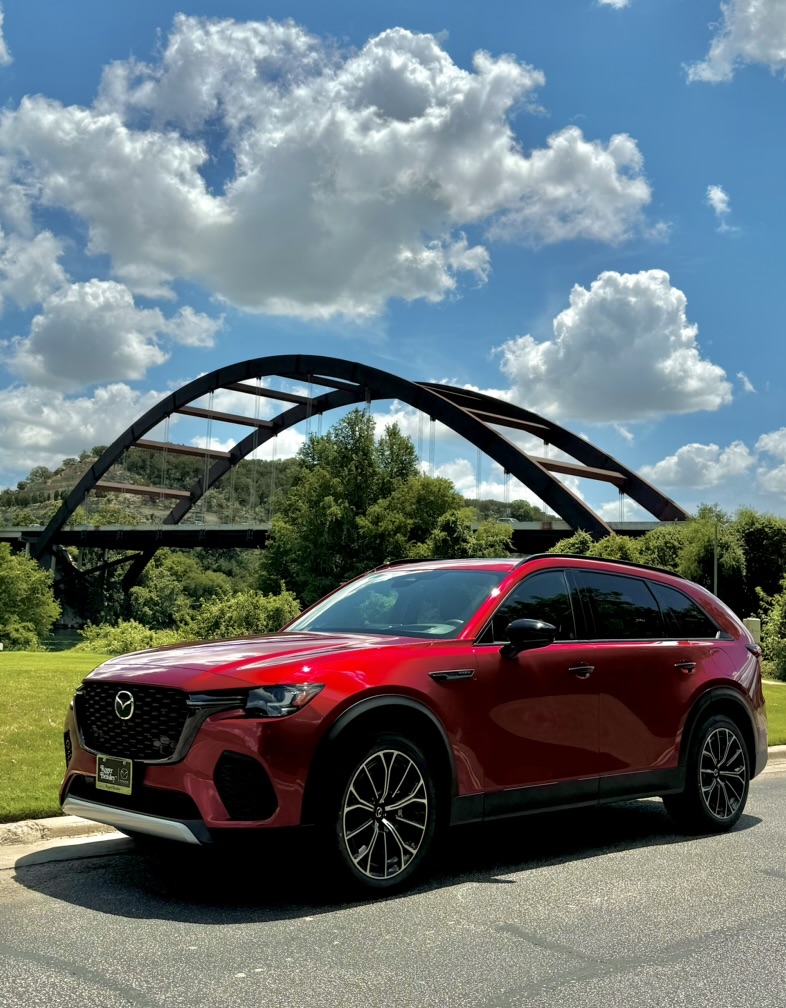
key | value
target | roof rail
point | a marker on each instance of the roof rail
(424, 560)
(613, 560)
(535, 556)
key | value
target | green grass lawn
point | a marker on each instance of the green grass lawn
(37, 688)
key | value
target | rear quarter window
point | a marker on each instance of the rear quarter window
(684, 618)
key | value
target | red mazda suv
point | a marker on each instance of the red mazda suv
(424, 694)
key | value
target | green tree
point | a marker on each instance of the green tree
(322, 534)
(762, 538)
(172, 585)
(580, 543)
(616, 547)
(26, 597)
(111, 512)
(360, 502)
(391, 526)
(709, 538)
(773, 630)
(39, 474)
(492, 539)
(662, 547)
(523, 511)
(454, 537)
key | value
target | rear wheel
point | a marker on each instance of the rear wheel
(718, 777)
(383, 818)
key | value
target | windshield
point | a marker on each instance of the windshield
(427, 603)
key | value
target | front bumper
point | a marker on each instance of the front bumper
(193, 832)
(238, 774)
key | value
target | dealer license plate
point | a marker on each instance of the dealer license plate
(114, 774)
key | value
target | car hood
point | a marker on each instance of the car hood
(239, 663)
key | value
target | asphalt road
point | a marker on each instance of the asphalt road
(605, 907)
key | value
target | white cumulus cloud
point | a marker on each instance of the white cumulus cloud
(614, 3)
(575, 188)
(773, 443)
(772, 480)
(42, 427)
(30, 268)
(191, 328)
(700, 465)
(718, 199)
(93, 332)
(623, 350)
(750, 31)
(288, 177)
(5, 55)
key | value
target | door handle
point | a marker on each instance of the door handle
(452, 675)
(582, 671)
(685, 666)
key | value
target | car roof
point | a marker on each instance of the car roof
(511, 562)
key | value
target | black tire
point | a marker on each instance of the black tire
(382, 815)
(717, 779)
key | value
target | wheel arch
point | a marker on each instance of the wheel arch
(720, 700)
(388, 712)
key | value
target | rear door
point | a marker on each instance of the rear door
(646, 668)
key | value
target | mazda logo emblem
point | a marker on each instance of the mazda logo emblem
(124, 705)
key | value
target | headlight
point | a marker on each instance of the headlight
(279, 701)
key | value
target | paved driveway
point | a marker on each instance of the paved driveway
(592, 908)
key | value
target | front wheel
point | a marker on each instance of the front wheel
(384, 821)
(718, 777)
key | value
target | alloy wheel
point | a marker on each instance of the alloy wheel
(723, 772)
(385, 814)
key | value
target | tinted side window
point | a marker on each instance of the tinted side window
(544, 596)
(684, 618)
(624, 607)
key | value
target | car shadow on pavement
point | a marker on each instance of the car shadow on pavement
(280, 878)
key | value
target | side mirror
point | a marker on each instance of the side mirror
(526, 634)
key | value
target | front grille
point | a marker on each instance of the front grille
(244, 787)
(151, 733)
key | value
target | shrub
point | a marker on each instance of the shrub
(247, 612)
(125, 636)
(773, 631)
(17, 635)
(580, 542)
(616, 547)
(243, 614)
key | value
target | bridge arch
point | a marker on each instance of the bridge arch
(473, 415)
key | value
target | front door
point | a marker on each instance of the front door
(535, 724)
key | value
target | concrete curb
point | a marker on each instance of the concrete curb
(31, 831)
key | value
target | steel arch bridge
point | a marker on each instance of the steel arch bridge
(473, 415)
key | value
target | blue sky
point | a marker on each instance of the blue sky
(574, 205)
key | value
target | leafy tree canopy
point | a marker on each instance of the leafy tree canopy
(26, 599)
(360, 502)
